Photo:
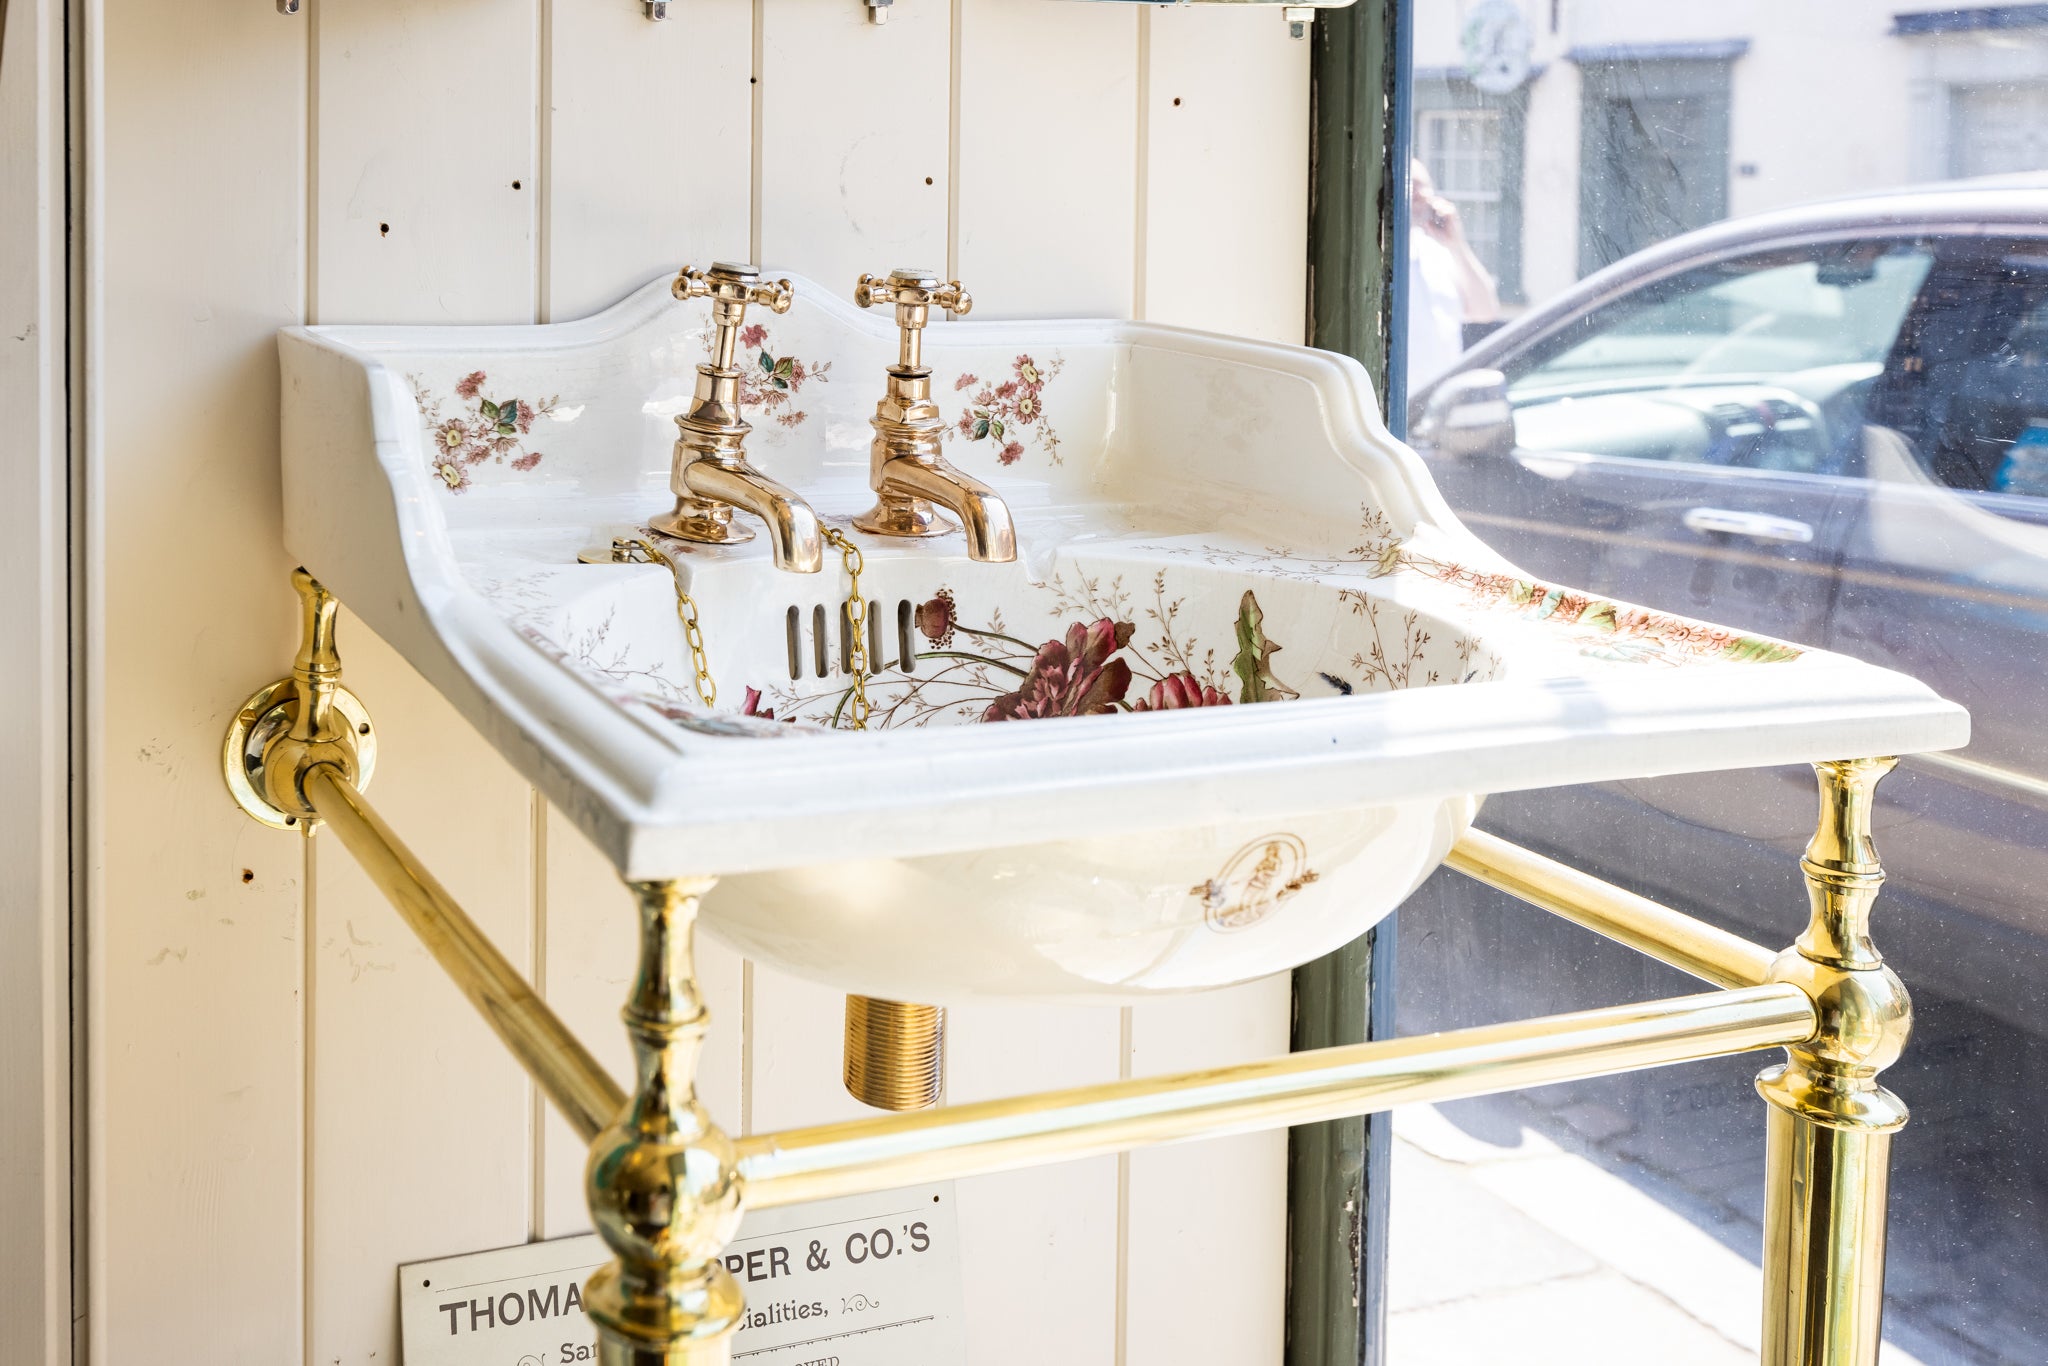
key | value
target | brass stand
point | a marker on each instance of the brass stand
(1829, 1138)
(663, 1181)
(667, 1188)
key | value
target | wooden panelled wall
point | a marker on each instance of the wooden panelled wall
(288, 1100)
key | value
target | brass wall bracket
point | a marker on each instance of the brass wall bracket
(286, 728)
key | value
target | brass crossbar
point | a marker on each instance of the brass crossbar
(558, 1062)
(1715, 955)
(873, 1154)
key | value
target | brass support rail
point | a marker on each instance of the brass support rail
(1298, 1088)
(576, 1082)
(1725, 959)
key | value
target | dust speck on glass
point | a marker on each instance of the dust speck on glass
(1766, 286)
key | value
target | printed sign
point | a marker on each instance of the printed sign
(871, 1280)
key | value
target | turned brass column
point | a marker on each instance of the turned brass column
(663, 1181)
(1829, 1139)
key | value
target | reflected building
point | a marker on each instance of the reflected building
(1572, 133)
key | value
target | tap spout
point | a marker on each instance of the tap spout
(792, 526)
(983, 515)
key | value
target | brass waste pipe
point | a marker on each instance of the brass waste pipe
(666, 1187)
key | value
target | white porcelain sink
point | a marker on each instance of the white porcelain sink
(1296, 673)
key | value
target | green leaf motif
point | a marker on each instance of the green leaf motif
(980, 426)
(1253, 663)
(767, 363)
(488, 409)
(1757, 650)
(995, 428)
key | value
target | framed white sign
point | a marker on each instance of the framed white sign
(871, 1280)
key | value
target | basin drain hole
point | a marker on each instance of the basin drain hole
(845, 639)
(876, 660)
(796, 645)
(905, 655)
(818, 661)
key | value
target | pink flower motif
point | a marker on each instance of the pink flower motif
(1078, 676)
(523, 416)
(753, 334)
(1029, 408)
(468, 386)
(966, 425)
(1028, 371)
(1007, 389)
(1011, 452)
(965, 382)
(451, 436)
(453, 475)
(1178, 691)
(935, 619)
(751, 706)
(527, 461)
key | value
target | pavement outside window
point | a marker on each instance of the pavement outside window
(1530, 1255)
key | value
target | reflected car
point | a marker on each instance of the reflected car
(1827, 424)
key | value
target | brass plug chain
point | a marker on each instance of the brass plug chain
(856, 625)
(686, 611)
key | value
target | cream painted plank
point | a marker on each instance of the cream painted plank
(1028, 1239)
(195, 194)
(425, 117)
(1226, 220)
(854, 120)
(35, 908)
(592, 940)
(798, 1029)
(427, 194)
(1048, 158)
(1225, 248)
(1208, 1221)
(1039, 1259)
(420, 1120)
(649, 146)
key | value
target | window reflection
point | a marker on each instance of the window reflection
(1770, 363)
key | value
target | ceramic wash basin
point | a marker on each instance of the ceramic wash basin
(1245, 683)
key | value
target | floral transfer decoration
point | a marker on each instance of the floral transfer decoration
(1602, 628)
(1008, 413)
(1113, 651)
(484, 430)
(771, 383)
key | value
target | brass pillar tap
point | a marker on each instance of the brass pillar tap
(905, 468)
(711, 476)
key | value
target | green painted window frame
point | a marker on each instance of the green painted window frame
(1338, 1172)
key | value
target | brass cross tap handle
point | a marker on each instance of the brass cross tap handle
(710, 475)
(915, 293)
(910, 478)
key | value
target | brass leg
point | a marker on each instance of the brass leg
(1829, 1139)
(663, 1183)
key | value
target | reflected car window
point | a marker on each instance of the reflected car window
(1967, 384)
(1761, 362)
